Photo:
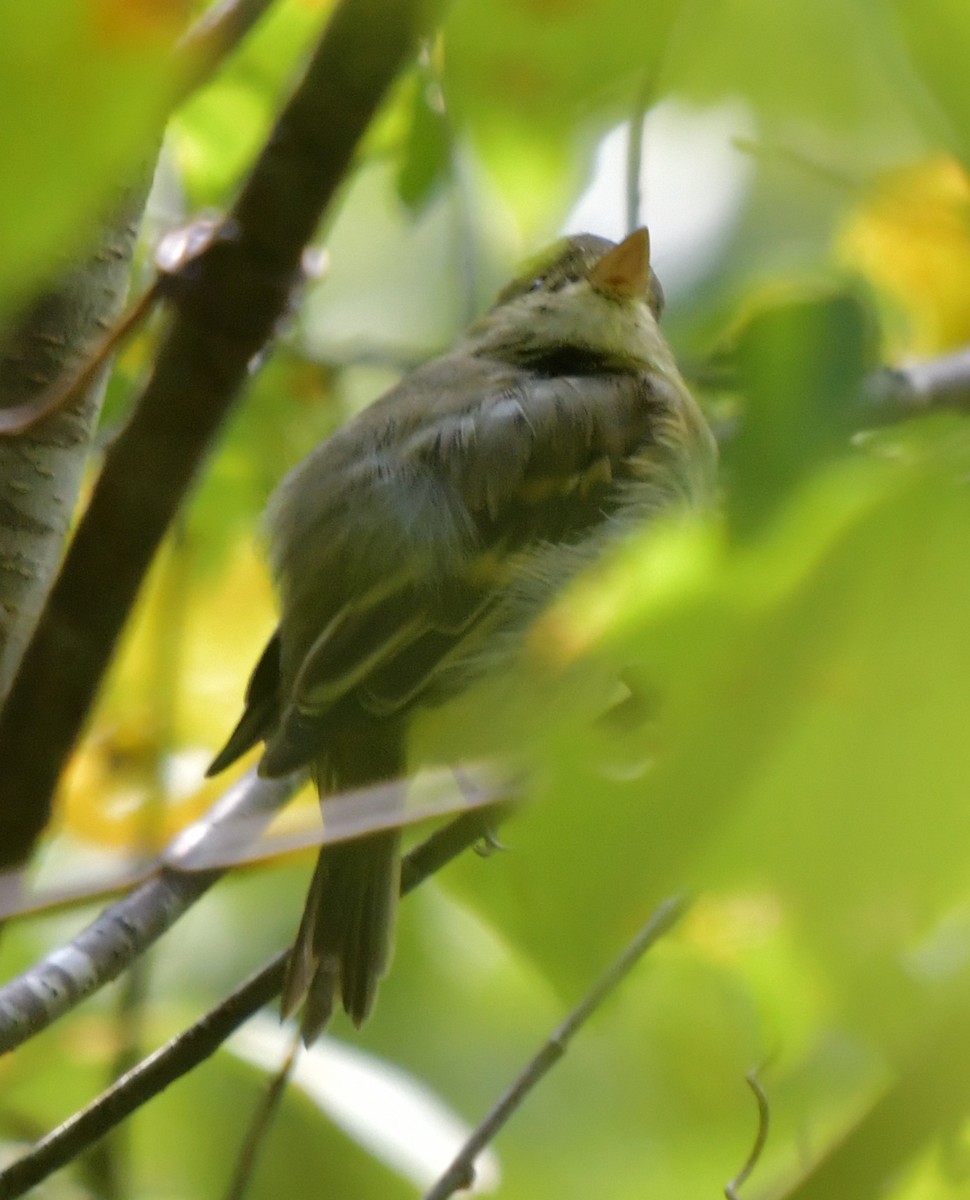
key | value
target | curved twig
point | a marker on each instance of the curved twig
(761, 1137)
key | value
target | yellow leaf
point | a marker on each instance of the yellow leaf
(911, 239)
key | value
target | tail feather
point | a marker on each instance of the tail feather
(344, 942)
(303, 962)
(343, 945)
(367, 941)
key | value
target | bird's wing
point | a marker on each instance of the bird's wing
(451, 515)
(261, 713)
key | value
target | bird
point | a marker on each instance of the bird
(413, 547)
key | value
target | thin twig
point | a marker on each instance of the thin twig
(461, 1173)
(197, 1043)
(260, 1124)
(230, 837)
(664, 34)
(634, 151)
(17, 420)
(889, 394)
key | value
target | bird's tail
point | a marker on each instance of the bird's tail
(343, 946)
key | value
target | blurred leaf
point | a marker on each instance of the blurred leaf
(801, 364)
(426, 155)
(910, 235)
(217, 133)
(70, 144)
(535, 81)
(762, 51)
(935, 33)
(543, 63)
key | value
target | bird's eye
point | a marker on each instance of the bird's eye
(537, 283)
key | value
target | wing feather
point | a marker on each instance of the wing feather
(445, 528)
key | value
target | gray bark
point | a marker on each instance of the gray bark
(41, 469)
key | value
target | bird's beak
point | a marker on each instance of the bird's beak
(624, 271)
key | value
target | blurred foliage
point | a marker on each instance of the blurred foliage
(69, 148)
(792, 746)
(911, 236)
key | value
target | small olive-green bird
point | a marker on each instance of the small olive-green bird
(413, 547)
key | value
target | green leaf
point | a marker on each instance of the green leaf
(426, 154)
(802, 731)
(801, 366)
(535, 82)
(935, 34)
(84, 89)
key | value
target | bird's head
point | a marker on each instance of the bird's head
(584, 293)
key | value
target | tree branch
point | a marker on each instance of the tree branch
(461, 1173)
(45, 344)
(99, 953)
(214, 36)
(194, 1045)
(937, 383)
(230, 301)
(197, 857)
(41, 474)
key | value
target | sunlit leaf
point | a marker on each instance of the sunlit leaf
(911, 236)
(782, 743)
(426, 155)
